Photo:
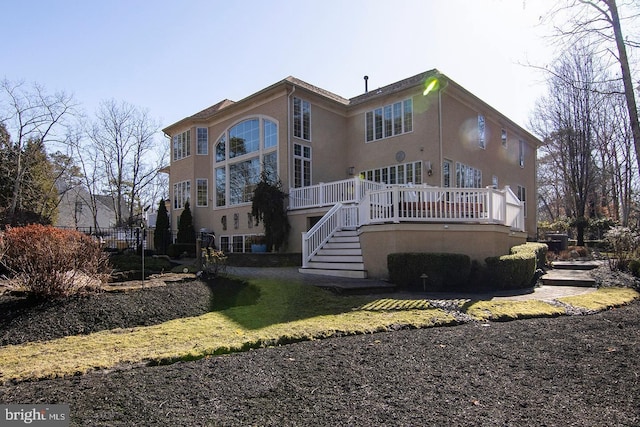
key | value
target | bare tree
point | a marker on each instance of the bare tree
(565, 120)
(31, 114)
(124, 137)
(599, 22)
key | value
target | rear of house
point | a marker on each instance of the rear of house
(418, 165)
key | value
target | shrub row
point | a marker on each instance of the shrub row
(444, 271)
(456, 272)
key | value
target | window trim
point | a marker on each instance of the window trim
(179, 199)
(482, 132)
(204, 152)
(389, 120)
(206, 194)
(181, 145)
(301, 119)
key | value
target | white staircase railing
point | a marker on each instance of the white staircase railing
(337, 218)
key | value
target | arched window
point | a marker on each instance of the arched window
(241, 154)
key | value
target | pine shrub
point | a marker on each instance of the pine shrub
(49, 262)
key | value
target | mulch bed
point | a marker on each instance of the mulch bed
(570, 370)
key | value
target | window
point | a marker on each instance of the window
(504, 138)
(396, 174)
(244, 138)
(270, 163)
(482, 143)
(202, 192)
(468, 177)
(203, 141)
(522, 195)
(270, 134)
(301, 165)
(241, 153)
(243, 178)
(494, 181)
(182, 145)
(301, 119)
(521, 152)
(389, 120)
(181, 194)
(225, 244)
(221, 187)
(221, 149)
(446, 173)
(369, 126)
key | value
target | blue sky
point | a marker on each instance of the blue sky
(175, 58)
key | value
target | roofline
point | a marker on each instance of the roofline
(396, 87)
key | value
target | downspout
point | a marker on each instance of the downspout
(440, 137)
(289, 168)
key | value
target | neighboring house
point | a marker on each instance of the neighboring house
(74, 210)
(418, 165)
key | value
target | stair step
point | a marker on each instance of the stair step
(339, 251)
(338, 245)
(338, 258)
(568, 278)
(354, 274)
(345, 239)
(336, 265)
(575, 265)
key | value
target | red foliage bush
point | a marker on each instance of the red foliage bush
(50, 262)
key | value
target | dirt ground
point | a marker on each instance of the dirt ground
(565, 371)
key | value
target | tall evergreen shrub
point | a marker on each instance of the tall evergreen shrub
(186, 232)
(162, 233)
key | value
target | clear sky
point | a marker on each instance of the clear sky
(176, 58)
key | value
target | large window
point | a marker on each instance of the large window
(181, 194)
(182, 145)
(203, 141)
(241, 153)
(468, 177)
(202, 192)
(301, 165)
(301, 119)
(389, 120)
(396, 174)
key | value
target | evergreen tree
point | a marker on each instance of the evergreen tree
(268, 206)
(162, 233)
(186, 232)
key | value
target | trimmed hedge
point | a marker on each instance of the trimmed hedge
(446, 272)
(517, 270)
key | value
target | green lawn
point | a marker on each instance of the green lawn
(263, 313)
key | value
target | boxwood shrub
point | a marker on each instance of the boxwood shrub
(516, 270)
(445, 271)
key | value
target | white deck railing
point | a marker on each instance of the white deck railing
(379, 203)
(329, 193)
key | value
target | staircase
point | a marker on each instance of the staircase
(341, 256)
